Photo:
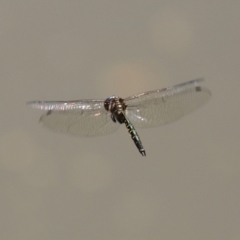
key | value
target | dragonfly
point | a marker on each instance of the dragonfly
(94, 117)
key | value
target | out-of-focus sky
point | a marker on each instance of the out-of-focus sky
(55, 186)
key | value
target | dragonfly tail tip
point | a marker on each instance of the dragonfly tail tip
(143, 153)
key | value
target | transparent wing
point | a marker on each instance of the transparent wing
(90, 104)
(82, 118)
(159, 107)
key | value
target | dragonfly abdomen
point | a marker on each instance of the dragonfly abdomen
(134, 136)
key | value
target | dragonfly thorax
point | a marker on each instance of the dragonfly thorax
(116, 106)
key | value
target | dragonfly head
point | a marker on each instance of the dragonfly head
(108, 103)
(114, 104)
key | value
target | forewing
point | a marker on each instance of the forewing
(159, 107)
(89, 104)
(80, 117)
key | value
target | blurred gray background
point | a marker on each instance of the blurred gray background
(55, 186)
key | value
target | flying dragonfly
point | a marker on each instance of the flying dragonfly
(101, 117)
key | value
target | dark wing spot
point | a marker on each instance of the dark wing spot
(198, 89)
(49, 112)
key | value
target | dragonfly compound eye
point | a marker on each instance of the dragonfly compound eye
(109, 102)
